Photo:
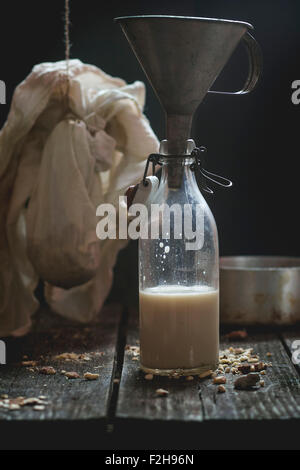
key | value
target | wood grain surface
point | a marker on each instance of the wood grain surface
(67, 399)
(122, 410)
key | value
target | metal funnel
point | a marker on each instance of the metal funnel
(182, 57)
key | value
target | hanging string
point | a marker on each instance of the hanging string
(67, 35)
(67, 45)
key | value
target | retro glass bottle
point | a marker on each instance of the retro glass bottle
(179, 275)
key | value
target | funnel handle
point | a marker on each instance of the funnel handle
(255, 67)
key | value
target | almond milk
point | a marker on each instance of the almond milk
(179, 329)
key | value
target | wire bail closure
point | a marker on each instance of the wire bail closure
(197, 167)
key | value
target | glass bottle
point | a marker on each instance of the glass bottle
(178, 276)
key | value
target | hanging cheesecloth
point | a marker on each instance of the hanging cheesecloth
(60, 159)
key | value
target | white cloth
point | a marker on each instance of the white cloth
(59, 159)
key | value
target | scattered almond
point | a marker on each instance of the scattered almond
(221, 389)
(47, 370)
(85, 357)
(90, 376)
(189, 378)
(67, 357)
(205, 374)
(225, 361)
(134, 350)
(257, 367)
(29, 363)
(236, 351)
(175, 375)
(38, 407)
(31, 401)
(161, 392)
(13, 407)
(219, 380)
(246, 382)
(243, 358)
(72, 375)
(149, 376)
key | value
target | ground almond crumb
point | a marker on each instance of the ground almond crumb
(14, 407)
(243, 358)
(29, 363)
(161, 392)
(31, 401)
(47, 370)
(149, 376)
(17, 403)
(90, 376)
(205, 374)
(133, 350)
(219, 380)
(67, 357)
(38, 407)
(72, 375)
(175, 375)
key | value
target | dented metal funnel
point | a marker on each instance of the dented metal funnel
(182, 57)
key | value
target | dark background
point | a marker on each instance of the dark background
(252, 139)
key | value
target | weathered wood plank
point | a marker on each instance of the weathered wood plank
(198, 400)
(278, 399)
(68, 399)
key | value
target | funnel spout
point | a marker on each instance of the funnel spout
(178, 129)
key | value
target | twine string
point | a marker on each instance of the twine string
(67, 45)
(67, 34)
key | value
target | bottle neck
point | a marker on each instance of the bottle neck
(177, 173)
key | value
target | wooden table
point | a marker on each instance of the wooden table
(120, 410)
